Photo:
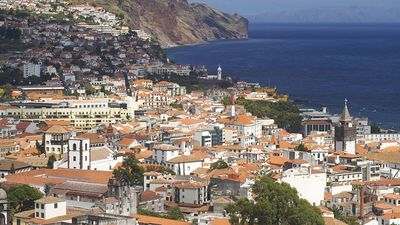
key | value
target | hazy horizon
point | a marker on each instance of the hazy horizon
(311, 10)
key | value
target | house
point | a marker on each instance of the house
(12, 167)
(48, 210)
(185, 164)
(192, 192)
(56, 140)
(151, 201)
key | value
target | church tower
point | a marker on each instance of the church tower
(345, 133)
(219, 72)
(79, 153)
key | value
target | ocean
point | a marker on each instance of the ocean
(317, 65)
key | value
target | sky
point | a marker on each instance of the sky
(254, 7)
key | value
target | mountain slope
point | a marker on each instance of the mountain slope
(177, 22)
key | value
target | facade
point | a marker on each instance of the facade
(79, 153)
(49, 91)
(31, 69)
(50, 207)
(163, 153)
(55, 140)
(309, 184)
(125, 198)
(191, 192)
(84, 118)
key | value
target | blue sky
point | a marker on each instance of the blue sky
(251, 7)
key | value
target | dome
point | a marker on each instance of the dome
(3, 194)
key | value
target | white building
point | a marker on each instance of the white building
(219, 73)
(185, 164)
(79, 153)
(56, 140)
(31, 69)
(310, 184)
(50, 207)
(203, 138)
(163, 153)
(191, 192)
(82, 156)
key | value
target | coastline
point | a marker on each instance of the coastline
(201, 43)
(282, 57)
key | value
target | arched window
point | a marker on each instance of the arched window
(86, 147)
(74, 147)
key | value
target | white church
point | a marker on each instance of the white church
(81, 156)
(217, 76)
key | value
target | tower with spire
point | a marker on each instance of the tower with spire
(219, 72)
(345, 132)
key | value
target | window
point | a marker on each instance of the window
(37, 205)
(42, 206)
(55, 205)
(42, 215)
(37, 214)
(18, 221)
(74, 158)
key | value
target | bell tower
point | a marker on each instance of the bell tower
(219, 72)
(346, 133)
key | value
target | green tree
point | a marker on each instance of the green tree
(220, 164)
(375, 128)
(50, 162)
(148, 213)
(285, 114)
(301, 148)
(12, 169)
(22, 197)
(274, 203)
(40, 148)
(160, 169)
(175, 213)
(90, 90)
(130, 172)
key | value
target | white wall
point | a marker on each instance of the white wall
(310, 186)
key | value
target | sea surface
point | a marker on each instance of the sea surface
(317, 65)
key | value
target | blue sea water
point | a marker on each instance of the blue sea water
(317, 65)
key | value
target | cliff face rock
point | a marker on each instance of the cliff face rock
(177, 22)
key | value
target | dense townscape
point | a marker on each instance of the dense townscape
(98, 126)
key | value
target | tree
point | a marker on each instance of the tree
(89, 90)
(40, 148)
(160, 169)
(220, 164)
(22, 197)
(301, 148)
(175, 213)
(375, 129)
(12, 169)
(130, 172)
(274, 203)
(50, 162)
(285, 114)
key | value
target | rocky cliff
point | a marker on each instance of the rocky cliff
(177, 22)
